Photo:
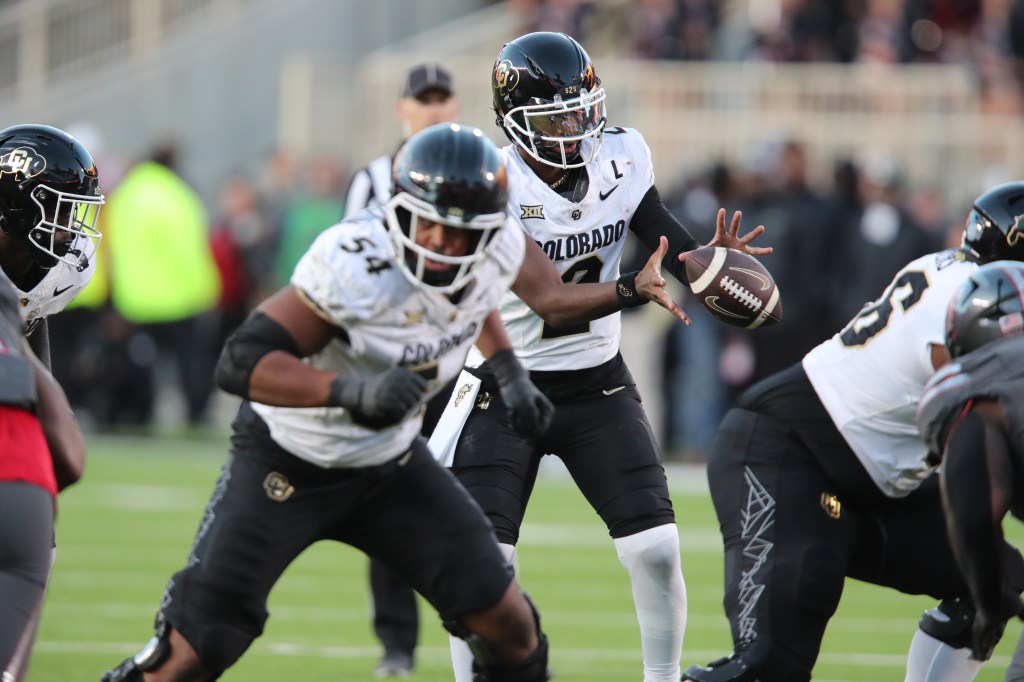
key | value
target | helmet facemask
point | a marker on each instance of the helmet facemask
(560, 133)
(404, 213)
(66, 230)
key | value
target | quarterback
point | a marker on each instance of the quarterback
(577, 189)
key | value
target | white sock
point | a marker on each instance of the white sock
(462, 657)
(930, 660)
(659, 593)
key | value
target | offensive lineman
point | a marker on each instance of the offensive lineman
(335, 367)
(576, 188)
(818, 473)
(971, 418)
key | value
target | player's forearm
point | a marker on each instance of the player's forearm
(651, 221)
(973, 511)
(63, 436)
(282, 380)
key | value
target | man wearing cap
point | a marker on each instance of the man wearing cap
(426, 98)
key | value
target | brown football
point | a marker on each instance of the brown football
(734, 287)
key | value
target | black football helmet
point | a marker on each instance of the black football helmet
(548, 99)
(988, 306)
(995, 226)
(49, 194)
(453, 175)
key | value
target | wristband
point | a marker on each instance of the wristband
(625, 290)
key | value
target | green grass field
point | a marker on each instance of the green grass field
(128, 525)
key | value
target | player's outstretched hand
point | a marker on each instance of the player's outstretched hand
(529, 409)
(381, 400)
(731, 238)
(651, 285)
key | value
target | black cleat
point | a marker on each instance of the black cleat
(730, 669)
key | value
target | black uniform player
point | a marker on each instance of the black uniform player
(818, 473)
(972, 417)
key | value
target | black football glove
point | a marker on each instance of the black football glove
(529, 409)
(380, 400)
(989, 626)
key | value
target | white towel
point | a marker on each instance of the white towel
(446, 434)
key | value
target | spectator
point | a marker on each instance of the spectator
(163, 276)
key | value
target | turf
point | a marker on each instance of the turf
(128, 525)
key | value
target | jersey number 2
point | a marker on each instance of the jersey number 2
(586, 271)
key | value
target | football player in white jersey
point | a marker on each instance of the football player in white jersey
(576, 190)
(427, 98)
(335, 368)
(972, 418)
(49, 202)
(819, 473)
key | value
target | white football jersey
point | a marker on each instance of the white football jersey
(871, 374)
(350, 276)
(59, 285)
(584, 241)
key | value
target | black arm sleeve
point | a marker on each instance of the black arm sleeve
(39, 342)
(650, 221)
(254, 338)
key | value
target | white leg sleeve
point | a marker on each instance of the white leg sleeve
(462, 657)
(930, 660)
(652, 559)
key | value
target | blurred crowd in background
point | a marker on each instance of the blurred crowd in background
(987, 35)
(175, 277)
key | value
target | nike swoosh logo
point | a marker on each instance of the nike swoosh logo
(58, 292)
(604, 195)
(756, 275)
(712, 302)
(609, 391)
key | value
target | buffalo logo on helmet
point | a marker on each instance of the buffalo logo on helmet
(1014, 233)
(505, 75)
(22, 161)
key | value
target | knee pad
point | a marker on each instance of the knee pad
(150, 657)
(487, 664)
(951, 622)
(488, 668)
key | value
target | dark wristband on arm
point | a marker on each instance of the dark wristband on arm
(625, 290)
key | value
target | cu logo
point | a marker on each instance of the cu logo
(505, 76)
(23, 161)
